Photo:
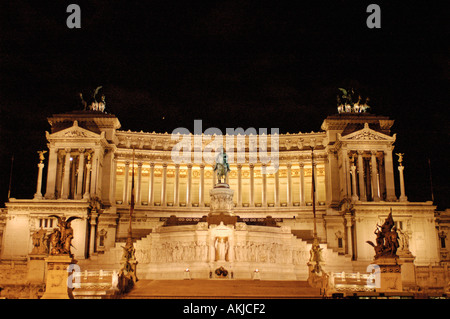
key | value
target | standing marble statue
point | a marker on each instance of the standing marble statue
(221, 248)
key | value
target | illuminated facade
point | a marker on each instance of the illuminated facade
(89, 167)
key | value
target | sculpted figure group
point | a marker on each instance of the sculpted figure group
(387, 239)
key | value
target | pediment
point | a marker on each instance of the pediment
(367, 134)
(75, 131)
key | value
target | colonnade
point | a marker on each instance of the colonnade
(189, 200)
(371, 174)
(72, 173)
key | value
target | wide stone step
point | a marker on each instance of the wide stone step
(221, 288)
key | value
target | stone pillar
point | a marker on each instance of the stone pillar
(80, 174)
(214, 177)
(139, 185)
(403, 197)
(151, 200)
(355, 191)
(176, 196)
(264, 185)
(362, 190)
(87, 194)
(389, 173)
(66, 179)
(51, 173)
(201, 190)
(289, 185)
(252, 185)
(57, 277)
(374, 173)
(277, 188)
(38, 194)
(239, 199)
(349, 236)
(189, 186)
(163, 185)
(125, 182)
(94, 174)
(93, 223)
(347, 172)
(302, 185)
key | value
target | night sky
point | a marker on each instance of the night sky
(259, 64)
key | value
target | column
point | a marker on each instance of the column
(189, 186)
(150, 184)
(355, 192)
(239, 199)
(201, 190)
(403, 197)
(80, 174)
(264, 185)
(87, 181)
(125, 182)
(163, 185)
(277, 188)
(38, 194)
(51, 173)
(214, 177)
(176, 196)
(389, 173)
(252, 185)
(362, 190)
(374, 173)
(94, 174)
(139, 185)
(349, 236)
(289, 185)
(93, 222)
(347, 170)
(302, 185)
(66, 180)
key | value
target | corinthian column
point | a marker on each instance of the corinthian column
(150, 185)
(355, 191)
(139, 184)
(362, 190)
(38, 194)
(239, 199)
(403, 197)
(176, 197)
(389, 171)
(125, 183)
(189, 186)
(277, 188)
(264, 185)
(252, 185)
(289, 185)
(80, 174)
(374, 172)
(202, 185)
(51, 172)
(66, 180)
(88, 180)
(163, 185)
(302, 185)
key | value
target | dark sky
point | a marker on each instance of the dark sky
(230, 63)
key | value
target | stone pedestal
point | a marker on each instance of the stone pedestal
(221, 206)
(36, 268)
(408, 270)
(56, 286)
(390, 274)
